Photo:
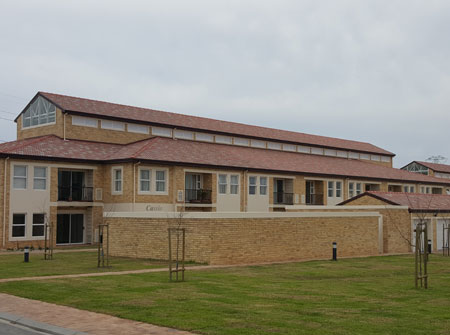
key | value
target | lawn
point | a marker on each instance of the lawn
(13, 266)
(373, 295)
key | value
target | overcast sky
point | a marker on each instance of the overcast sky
(372, 71)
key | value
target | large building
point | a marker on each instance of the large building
(75, 159)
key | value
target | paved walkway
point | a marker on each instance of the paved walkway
(37, 251)
(82, 321)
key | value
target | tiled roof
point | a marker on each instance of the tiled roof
(166, 150)
(107, 109)
(436, 167)
(415, 201)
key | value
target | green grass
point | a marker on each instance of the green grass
(373, 295)
(13, 266)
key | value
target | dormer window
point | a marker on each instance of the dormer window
(40, 112)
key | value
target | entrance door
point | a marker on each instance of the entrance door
(70, 229)
(279, 191)
(429, 233)
(441, 235)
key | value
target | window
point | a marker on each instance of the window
(162, 131)
(252, 185)
(234, 184)
(40, 178)
(113, 125)
(160, 181)
(223, 139)
(222, 183)
(338, 189)
(405, 189)
(331, 189)
(84, 121)
(18, 228)
(38, 224)
(411, 189)
(144, 183)
(358, 188)
(117, 180)
(183, 134)
(262, 185)
(38, 113)
(137, 128)
(204, 137)
(351, 190)
(20, 177)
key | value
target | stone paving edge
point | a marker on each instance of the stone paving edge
(38, 326)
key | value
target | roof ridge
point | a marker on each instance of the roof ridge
(149, 143)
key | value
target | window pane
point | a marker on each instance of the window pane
(331, 189)
(160, 186)
(263, 181)
(252, 189)
(160, 181)
(145, 185)
(20, 183)
(222, 179)
(118, 186)
(38, 218)
(38, 230)
(160, 175)
(118, 174)
(39, 184)
(18, 219)
(145, 174)
(20, 171)
(18, 231)
(40, 172)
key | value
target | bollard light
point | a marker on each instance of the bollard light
(26, 254)
(429, 246)
(334, 251)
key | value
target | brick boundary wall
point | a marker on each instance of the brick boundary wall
(238, 240)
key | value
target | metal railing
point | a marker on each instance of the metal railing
(197, 196)
(314, 199)
(283, 198)
(67, 193)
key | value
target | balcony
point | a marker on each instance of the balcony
(75, 193)
(283, 198)
(199, 196)
(314, 199)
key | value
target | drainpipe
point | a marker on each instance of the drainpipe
(245, 191)
(134, 183)
(4, 205)
(64, 126)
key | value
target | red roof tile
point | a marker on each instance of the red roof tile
(209, 154)
(415, 201)
(107, 109)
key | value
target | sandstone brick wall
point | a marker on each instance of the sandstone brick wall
(247, 240)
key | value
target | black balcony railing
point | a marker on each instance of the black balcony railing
(314, 199)
(66, 193)
(197, 196)
(283, 198)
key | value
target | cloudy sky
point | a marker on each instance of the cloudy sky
(373, 71)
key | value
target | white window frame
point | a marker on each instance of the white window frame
(332, 188)
(137, 128)
(38, 224)
(84, 121)
(357, 188)
(149, 180)
(255, 185)
(112, 125)
(39, 178)
(30, 117)
(263, 186)
(236, 185)
(21, 225)
(113, 180)
(161, 181)
(351, 189)
(20, 177)
(338, 189)
(222, 184)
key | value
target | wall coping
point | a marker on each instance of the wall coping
(236, 215)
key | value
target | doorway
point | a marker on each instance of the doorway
(70, 229)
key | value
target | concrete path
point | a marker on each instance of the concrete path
(77, 321)
(37, 251)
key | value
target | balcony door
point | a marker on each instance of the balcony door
(70, 185)
(193, 184)
(70, 229)
(279, 191)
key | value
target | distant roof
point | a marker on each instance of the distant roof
(170, 151)
(434, 166)
(416, 202)
(110, 110)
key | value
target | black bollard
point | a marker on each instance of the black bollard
(26, 254)
(429, 246)
(334, 251)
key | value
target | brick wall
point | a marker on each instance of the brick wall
(247, 240)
